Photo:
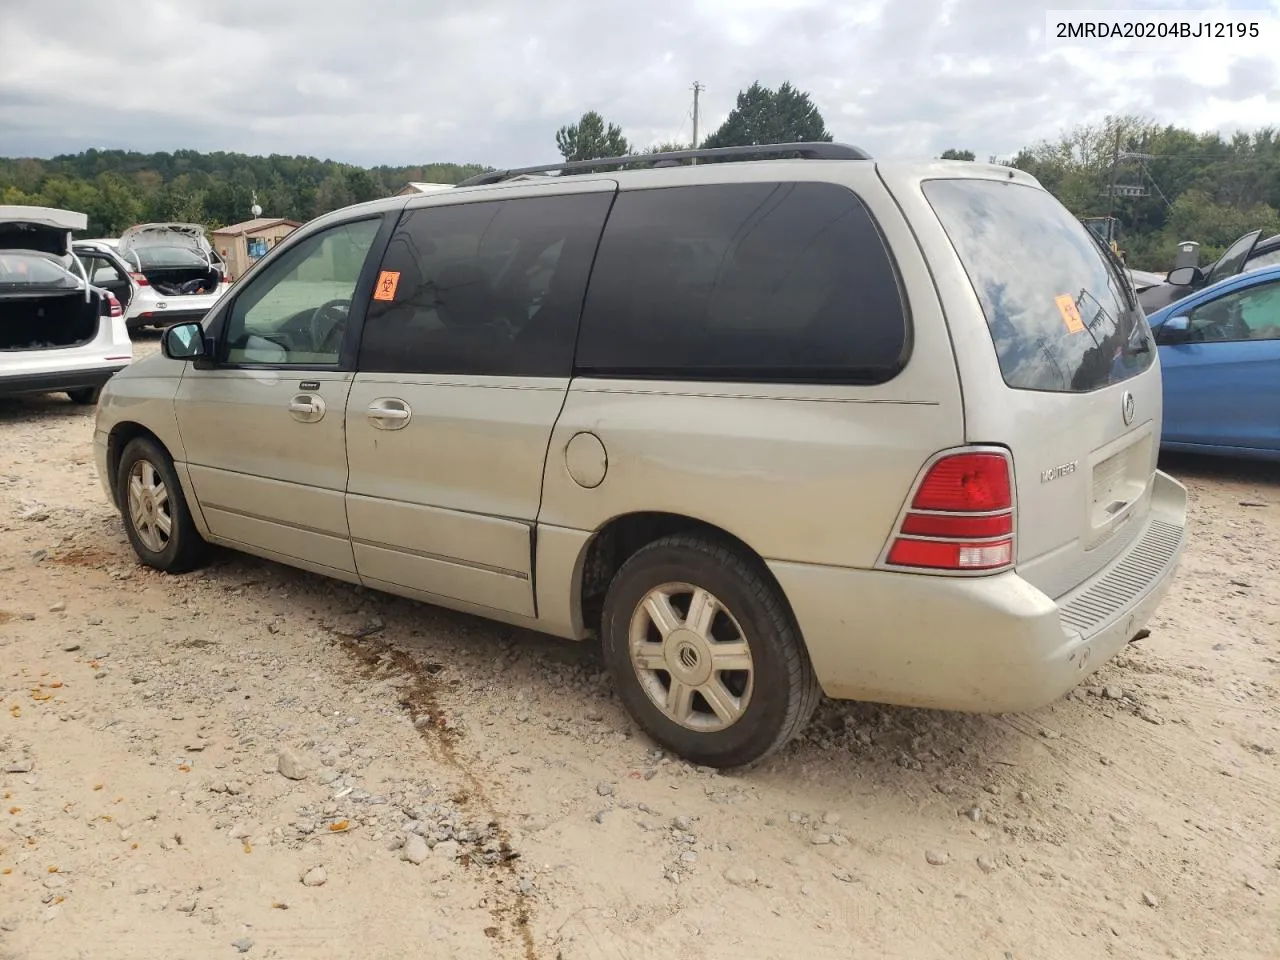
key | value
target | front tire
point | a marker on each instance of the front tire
(156, 518)
(705, 653)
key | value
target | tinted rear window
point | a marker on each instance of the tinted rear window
(486, 289)
(750, 281)
(1057, 314)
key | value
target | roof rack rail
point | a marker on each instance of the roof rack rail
(820, 150)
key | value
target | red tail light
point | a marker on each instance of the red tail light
(113, 306)
(140, 280)
(961, 517)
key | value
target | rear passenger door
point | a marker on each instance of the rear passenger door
(106, 272)
(463, 368)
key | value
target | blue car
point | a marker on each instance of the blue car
(1220, 357)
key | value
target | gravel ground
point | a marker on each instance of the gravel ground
(253, 760)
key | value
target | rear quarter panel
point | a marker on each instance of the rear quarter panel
(1056, 548)
(812, 474)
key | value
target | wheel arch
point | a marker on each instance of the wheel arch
(121, 435)
(615, 541)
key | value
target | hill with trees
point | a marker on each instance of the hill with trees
(1173, 184)
(118, 189)
(1165, 184)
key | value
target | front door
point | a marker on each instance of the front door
(1222, 387)
(263, 429)
(463, 368)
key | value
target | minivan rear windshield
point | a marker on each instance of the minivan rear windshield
(1053, 302)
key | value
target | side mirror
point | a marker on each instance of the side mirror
(183, 341)
(1175, 330)
(1185, 277)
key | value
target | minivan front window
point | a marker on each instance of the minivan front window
(1058, 315)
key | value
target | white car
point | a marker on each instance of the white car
(106, 269)
(177, 275)
(58, 332)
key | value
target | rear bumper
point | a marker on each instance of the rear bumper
(987, 644)
(52, 381)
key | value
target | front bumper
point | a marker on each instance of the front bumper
(985, 644)
(100, 461)
(56, 381)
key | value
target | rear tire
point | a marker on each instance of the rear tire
(156, 518)
(85, 396)
(705, 653)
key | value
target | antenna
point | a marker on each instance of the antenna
(255, 209)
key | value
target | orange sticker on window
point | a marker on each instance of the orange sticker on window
(388, 280)
(1070, 315)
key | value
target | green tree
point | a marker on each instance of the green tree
(957, 155)
(591, 139)
(115, 208)
(667, 146)
(1215, 225)
(333, 193)
(360, 185)
(785, 115)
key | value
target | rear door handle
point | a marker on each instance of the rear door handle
(306, 407)
(389, 413)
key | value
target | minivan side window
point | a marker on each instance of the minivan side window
(490, 288)
(295, 311)
(744, 282)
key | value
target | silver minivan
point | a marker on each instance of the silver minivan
(766, 426)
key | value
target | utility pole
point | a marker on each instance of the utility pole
(697, 89)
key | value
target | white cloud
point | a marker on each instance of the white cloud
(392, 81)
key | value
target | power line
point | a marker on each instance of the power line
(1147, 171)
(678, 137)
(1180, 156)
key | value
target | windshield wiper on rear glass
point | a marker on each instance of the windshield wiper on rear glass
(1136, 342)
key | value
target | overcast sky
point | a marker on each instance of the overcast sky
(489, 81)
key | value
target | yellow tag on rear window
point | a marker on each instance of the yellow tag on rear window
(1070, 315)
(388, 280)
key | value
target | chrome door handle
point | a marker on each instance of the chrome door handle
(389, 413)
(306, 407)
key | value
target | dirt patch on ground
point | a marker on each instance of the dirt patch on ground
(252, 760)
(84, 557)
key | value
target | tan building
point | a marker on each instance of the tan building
(417, 186)
(242, 244)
